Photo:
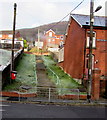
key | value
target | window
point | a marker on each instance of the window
(88, 39)
(17, 42)
(5, 41)
(61, 37)
(50, 34)
(61, 44)
(10, 35)
(0, 35)
(49, 40)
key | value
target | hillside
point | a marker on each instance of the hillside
(31, 34)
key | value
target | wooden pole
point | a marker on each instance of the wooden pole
(12, 48)
(90, 72)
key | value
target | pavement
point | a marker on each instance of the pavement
(46, 101)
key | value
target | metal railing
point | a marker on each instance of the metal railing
(44, 94)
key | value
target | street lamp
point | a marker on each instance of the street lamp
(98, 8)
(90, 72)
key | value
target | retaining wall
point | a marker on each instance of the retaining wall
(5, 70)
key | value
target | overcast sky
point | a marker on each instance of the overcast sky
(33, 13)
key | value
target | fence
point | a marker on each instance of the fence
(44, 94)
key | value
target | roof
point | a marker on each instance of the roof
(50, 31)
(84, 20)
(6, 32)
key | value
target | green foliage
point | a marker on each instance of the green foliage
(14, 86)
(26, 73)
(33, 50)
(65, 80)
(26, 70)
(36, 50)
(25, 43)
(20, 38)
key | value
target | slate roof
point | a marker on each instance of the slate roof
(85, 20)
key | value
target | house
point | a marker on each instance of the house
(76, 49)
(6, 40)
(6, 34)
(39, 44)
(52, 40)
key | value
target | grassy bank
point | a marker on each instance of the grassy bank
(59, 77)
(26, 73)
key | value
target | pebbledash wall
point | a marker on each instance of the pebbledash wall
(5, 70)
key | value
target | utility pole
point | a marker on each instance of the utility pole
(90, 72)
(12, 48)
(38, 40)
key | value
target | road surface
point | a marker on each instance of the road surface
(20, 110)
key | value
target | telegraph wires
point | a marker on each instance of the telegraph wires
(68, 14)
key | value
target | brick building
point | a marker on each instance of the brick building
(52, 40)
(76, 49)
(6, 39)
(6, 35)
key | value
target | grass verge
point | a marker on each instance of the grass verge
(60, 78)
(26, 73)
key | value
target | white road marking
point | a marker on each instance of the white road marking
(3, 105)
(1, 110)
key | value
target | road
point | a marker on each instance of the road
(20, 110)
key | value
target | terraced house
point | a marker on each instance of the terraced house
(53, 40)
(76, 52)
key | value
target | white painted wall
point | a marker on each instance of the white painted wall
(9, 41)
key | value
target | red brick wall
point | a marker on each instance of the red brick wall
(54, 39)
(101, 51)
(61, 64)
(74, 51)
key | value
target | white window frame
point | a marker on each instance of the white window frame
(94, 40)
(49, 40)
(5, 41)
(50, 34)
(61, 37)
(10, 35)
(1, 35)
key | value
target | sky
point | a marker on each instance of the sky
(33, 13)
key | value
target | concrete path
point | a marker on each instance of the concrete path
(44, 83)
(42, 78)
